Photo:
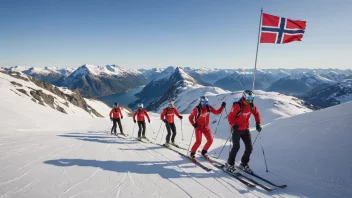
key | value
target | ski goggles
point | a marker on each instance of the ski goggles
(204, 103)
(251, 98)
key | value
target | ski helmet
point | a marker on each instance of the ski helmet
(248, 95)
(170, 104)
(203, 100)
(140, 105)
(115, 105)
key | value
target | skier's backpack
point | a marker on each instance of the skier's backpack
(240, 104)
(200, 110)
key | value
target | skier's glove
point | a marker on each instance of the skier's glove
(164, 121)
(111, 118)
(149, 121)
(234, 127)
(134, 121)
(181, 117)
(195, 125)
(258, 127)
(121, 117)
(223, 104)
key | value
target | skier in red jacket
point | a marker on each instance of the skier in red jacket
(239, 119)
(167, 116)
(199, 118)
(116, 116)
(140, 113)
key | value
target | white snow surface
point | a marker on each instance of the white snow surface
(45, 153)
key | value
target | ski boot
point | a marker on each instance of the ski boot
(193, 156)
(139, 138)
(205, 154)
(229, 168)
(175, 145)
(166, 145)
(145, 138)
(245, 168)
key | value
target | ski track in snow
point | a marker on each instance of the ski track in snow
(15, 179)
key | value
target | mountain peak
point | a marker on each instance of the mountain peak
(182, 75)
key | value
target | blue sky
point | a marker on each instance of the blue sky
(159, 33)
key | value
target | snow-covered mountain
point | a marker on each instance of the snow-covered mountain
(300, 83)
(51, 75)
(159, 85)
(177, 90)
(93, 80)
(208, 76)
(242, 80)
(331, 95)
(25, 91)
(151, 74)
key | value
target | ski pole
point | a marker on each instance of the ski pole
(230, 145)
(158, 132)
(158, 135)
(224, 146)
(190, 142)
(159, 127)
(134, 126)
(109, 127)
(162, 135)
(151, 127)
(260, 136)
(216, 129)
(255, 139)
(181, 130)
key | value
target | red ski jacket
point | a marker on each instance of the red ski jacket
(168, 114)
(243, 120)
(115, 113)
(140, 115)
(203, 119)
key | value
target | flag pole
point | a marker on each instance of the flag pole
(256, 55)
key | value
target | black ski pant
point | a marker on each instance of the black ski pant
(141, 128)
(118, 120)
(247, 140)
(170, 127)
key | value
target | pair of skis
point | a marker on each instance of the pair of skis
(238, 176)
(249, 182)
(196, 162)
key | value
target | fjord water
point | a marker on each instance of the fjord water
(123, 98)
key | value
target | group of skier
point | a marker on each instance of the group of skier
(238, 119)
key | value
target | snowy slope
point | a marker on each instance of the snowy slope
(44, 153)
(18, 89)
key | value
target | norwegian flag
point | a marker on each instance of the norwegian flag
(281, 30)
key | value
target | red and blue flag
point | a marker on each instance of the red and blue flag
(281, 30)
